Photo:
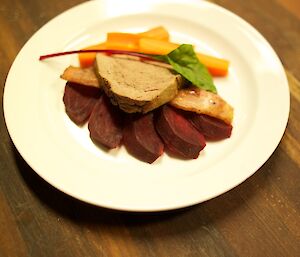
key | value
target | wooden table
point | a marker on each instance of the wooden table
(261, 217)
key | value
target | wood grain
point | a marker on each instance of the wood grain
(292, 6)
(261, 217)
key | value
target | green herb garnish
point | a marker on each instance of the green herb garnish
(185, 61)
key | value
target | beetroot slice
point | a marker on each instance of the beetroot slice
(211, 128)
(79, 101)
(179, 134)
(141, 139)
(105, 124)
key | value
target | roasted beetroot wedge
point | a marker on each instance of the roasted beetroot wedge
(212, 128)
(105, 124)
(141, 139)
(178, 134)
(79, 101)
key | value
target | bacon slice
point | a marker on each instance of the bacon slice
(203, 102)
(83, 76)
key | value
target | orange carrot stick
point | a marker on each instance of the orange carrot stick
(150, 45)
(87, 59)
(122, 41)
(130, 41)
(216, 66)
(159, 33)
(154, 46)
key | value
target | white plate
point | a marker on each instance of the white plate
(63, 154)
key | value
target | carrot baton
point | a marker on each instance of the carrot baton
(216, 66)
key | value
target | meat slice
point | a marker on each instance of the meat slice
(211, 128)
(203, 102)
(136, 86)
(178, 134)
(83, 76)
(141, 139)
(105, 124)
(79, 101)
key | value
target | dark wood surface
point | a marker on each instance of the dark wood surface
(261, 217)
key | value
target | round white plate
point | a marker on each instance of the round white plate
(63, 154)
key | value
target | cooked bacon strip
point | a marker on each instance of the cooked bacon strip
(83, 76)
(203, 102)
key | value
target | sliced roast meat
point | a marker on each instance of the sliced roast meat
(203, 102)
(83, 76)
(211, 128)
(178, 134)
(79, 101)
(136, 86)
(105, 124)
(141, 139)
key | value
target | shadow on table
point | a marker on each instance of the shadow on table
(176, 221)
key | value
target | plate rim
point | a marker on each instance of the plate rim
(124, 208)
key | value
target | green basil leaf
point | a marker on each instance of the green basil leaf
(185, 61)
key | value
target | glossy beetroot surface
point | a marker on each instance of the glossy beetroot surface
(178, 134)
(141, 139)
(79, 101)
